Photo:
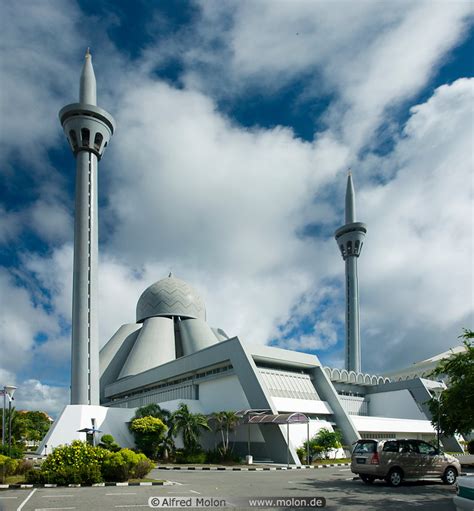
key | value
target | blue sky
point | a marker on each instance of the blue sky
(236, 124)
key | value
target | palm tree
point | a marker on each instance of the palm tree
(190, 425)
(226, 422)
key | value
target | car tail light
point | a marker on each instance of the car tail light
(375, 459)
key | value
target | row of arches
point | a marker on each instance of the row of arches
(344, 376)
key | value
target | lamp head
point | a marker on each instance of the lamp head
(9, 390)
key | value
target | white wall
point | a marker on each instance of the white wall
(398, 404)
(222, 394)
(112, 421)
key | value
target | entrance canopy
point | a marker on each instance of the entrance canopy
(255, 416)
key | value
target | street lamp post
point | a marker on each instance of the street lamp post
(10, 426)
(437, 392)
(8, 390)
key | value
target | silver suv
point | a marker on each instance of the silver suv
(396, 460)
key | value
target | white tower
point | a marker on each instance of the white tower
(88, 129)
(350, 238)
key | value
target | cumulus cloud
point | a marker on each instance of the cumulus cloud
(247, 215)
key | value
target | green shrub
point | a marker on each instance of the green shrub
(125, 464)
(115, 468)
(194, 458)
(24, 466)
(8, 466)
(108, 442)
(78, 463)
(142, 468)
(16, 451)
(219, 455)
(149, 433)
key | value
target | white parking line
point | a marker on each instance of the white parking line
(26, 500)
(8, 497)
(53, 508)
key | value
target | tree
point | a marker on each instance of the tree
(326, 440)
(454, 413)
(226, 422)
(148, 432)
(190, 425)
(26, 425)
(167, 445)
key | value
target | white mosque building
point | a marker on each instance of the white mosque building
(170, 355)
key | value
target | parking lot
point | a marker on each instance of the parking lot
(336, 485)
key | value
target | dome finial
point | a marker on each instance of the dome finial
(170, 275)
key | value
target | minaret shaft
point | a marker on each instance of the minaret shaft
(85, 334)
(350, 238)
(88, 129)
(353, 362)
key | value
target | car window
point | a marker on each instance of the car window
(408, 446)
(364, 447)
(426, 448)
(390, 446)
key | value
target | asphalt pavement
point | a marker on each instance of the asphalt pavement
(336, 485)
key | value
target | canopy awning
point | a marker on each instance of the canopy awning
(255, 416)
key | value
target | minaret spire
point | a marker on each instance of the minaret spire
(87, 84)
(350, 238)
(350, 200)
(88, 129)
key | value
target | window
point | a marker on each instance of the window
(391, 446)
(407, 446)
(365, 446)
(426, 448)
(85, 136)
(98, 141)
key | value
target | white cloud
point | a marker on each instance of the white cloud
(369, 56)
(416, 270)
(223, 206)
(34, 395)
(20, 321)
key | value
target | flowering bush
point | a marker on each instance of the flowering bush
(149, 433)
(81, 463)
(124, 464)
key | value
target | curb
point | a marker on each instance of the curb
(253, 469)
(96, 485)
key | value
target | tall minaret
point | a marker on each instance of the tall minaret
(350, 238)
(88, 129)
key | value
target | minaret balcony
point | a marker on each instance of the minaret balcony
(87, 127)
(350, 238)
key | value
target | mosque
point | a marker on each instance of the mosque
(170, 355)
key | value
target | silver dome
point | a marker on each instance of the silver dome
(170, 297)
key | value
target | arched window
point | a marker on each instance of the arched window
(98, 141)
(85, 137)
(73, 139)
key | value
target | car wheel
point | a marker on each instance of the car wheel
(395, 477)
(367, 479)
(450, 475)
